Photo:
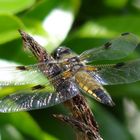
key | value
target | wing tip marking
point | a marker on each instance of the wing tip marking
(119, 65)
(21, 68)
(38, 87)
(107, 45)
(124, 34)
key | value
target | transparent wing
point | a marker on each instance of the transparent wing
(37, 99)
(121, 73)
(115, 49)
(21, 75)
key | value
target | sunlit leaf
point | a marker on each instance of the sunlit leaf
(53, 21)
(110, 24)
(8, 27)
(107, 27)
(14, 6)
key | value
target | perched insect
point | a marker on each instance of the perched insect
(62, 75)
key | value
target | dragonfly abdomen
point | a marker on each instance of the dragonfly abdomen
(87, 85)
(92, 87)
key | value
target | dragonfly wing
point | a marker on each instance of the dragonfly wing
(121, 73)
(21, 75)
(115, 49)
(36, 99)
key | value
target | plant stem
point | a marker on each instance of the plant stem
(81, 118)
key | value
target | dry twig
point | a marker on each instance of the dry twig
(82, 119)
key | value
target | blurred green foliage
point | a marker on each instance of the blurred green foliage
(90, 23)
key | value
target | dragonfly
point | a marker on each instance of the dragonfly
(62, 75)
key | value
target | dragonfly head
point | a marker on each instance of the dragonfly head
(61, 52)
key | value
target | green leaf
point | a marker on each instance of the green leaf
(28, 127)
(109, 27)
(104, 27)
(15, 6)
(110, 127)
(116, 4)
(110, 24)
(132, 117)
(131, 90)
(8, 27)
(8, 132)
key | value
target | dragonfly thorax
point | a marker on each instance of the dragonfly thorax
(72, 64)
(67, 59)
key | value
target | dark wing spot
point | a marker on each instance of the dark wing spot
(38, 87)
(21, 68)
(107, 45)
(119, 65)
(123, 34)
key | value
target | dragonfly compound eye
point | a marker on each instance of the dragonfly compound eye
(60, 52)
